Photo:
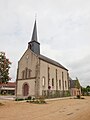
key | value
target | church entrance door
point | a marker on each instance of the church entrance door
(25, 89)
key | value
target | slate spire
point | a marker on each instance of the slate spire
(34, 45)
(34, 35)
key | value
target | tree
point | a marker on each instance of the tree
(4, 68)
(77, 84)
(88, 88)
(85, 91)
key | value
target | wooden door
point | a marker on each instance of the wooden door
(25, 89)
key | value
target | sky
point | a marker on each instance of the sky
(63, 28)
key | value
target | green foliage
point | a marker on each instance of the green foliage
(67, 94)
(39, 100)
(30, 99)
(85, 91)
(77, 84)
(19, 99)
(88, 88)
(78, 96)
(4, 68)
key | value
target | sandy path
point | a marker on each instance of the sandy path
(69, 109)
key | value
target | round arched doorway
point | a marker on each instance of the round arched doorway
(25, 89)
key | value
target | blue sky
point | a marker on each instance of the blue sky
(63, 31)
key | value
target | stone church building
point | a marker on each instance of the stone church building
(38, 75)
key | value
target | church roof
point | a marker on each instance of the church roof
(46, 59)
(74, 83)
(9, 84)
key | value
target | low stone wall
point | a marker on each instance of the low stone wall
(55, 93)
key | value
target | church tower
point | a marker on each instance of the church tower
(34, 45)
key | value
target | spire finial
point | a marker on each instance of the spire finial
(35, 16)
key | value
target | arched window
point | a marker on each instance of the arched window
(65, 84)
(23, 74)
(29, 73)
(48, 76)
(59, 84)
(52, 82)
(43, 81)
(26, 73)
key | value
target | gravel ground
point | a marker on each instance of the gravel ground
(63, 109)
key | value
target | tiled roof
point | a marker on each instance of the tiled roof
(74, 84)
(9, 84)
(46, 59)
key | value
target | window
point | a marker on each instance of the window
(56, 74)
(63, 80)
(29, 73)
(62, 76)
(23, 74)
(56, 81)
(43, 81)
(26, 73)
(65, 84)
(27, 56)
(48, 76)
(60, 84)
(53, 82)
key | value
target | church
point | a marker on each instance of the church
(38, 75)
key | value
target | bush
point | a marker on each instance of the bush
(39, 100)
(67, 94)
(33, 98)
(19, 99)
(28, 98)
(78, 96)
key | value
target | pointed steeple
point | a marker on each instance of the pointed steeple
(34, 35)
(34, 45)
